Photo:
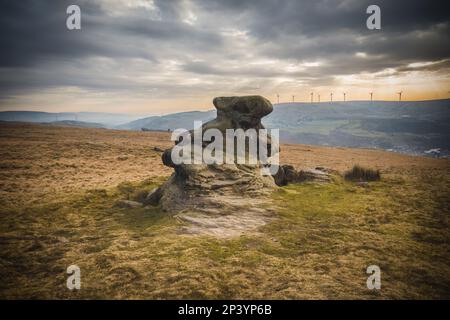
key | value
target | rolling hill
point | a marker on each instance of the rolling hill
(407, 127)
(80, 124)
(105, 119)
(172, 121)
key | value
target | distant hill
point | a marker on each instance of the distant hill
(105, 119)
(172, 121)
(81, 124)
(408, 127)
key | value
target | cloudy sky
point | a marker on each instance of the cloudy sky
(162, 56)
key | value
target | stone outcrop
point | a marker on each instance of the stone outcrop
(287, 174)
(197, 186)
(225, 200)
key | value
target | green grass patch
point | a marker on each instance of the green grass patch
(318, 246)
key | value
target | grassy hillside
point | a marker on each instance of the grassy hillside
(59, 186)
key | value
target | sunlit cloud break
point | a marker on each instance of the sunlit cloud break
(155, 57)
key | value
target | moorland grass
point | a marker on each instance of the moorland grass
(319, 246)
(359, 173)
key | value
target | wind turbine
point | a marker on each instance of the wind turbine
(312, 97)
(278, 98)
(400, 96)
(371, 96)
(318, 96)
(331, 97)
(293, 98)
(344, 95)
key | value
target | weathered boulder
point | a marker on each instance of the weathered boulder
(228, 199)
(240, 112)
(197, 185)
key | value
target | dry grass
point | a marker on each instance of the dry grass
(358, 173)
(59, 185)
(38, 163)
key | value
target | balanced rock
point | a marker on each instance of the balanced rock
(205, 185)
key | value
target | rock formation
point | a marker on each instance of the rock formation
(197, 186)
(226, 199)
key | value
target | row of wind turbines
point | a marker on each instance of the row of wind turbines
(331, 96)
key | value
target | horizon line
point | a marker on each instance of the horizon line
(193, 110)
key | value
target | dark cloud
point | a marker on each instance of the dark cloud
(181, 45)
